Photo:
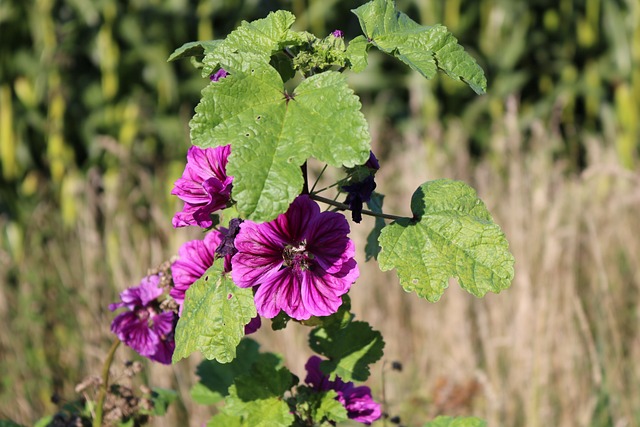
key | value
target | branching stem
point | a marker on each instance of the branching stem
(345, 207)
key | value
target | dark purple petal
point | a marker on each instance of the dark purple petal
(226, 246)
(315, 377)
(253, 325)
(359, 193)
(137, 335)
(360, 405)
(357, 401)
(372, 163)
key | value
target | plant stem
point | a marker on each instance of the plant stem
(318, 179)
(97, 420)
(305, 188)
(345, 207)
(325, 188)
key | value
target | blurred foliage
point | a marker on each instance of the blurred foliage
(88, 101)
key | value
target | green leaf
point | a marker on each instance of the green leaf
(357, 52)
(267, 378)
(9, 423)
(350, 350)
(443, 421)
(329, 407)
(423, 48)
(213, 317)
(272, 134)
(372, 248)
(162, 398)
(226, 420)
(263, 36)
(216, 377)
(452, 235)
(198, 48)
(258, 413)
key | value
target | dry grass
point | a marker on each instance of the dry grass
(558, 348)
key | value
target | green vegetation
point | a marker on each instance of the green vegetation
(94, 129)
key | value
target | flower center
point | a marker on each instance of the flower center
(297, 256)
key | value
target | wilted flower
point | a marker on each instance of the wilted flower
(204, 186)
(144, 327)
(302, 262)
(357, 401)
(359, 192)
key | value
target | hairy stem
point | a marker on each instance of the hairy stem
(345, 207)
(97, 420)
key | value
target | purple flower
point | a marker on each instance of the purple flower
(194, 259)
(372, 163)
(204, 186)
(337, 33)
(227, 247)
(220, 74)
(360, 192)
(357, 401)
(302, 262)
(144, 327)
(253, 325)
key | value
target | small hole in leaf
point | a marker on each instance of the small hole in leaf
(414, 281)
(229, 296)
(247, 135)
(258, 118)
(206, 278)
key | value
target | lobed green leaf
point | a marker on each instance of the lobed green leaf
(423, 48)
(197, 48)
(216, 377)
(272, 134)
(451, 235)
(270, 412)
(213, 317)
(350, 349)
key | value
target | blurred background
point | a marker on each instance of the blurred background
(94, 131)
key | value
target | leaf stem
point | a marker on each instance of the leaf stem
(318, 180)
(97, 420)
(345, 207)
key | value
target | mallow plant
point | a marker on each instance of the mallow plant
(276, 249)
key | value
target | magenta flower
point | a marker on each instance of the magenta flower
(204, 186)
(357, 401)
(302, 262)
(144, 327)
(220, 74)
(337, 34)
(194, 259)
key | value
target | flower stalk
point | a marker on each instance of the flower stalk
(102, 394)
